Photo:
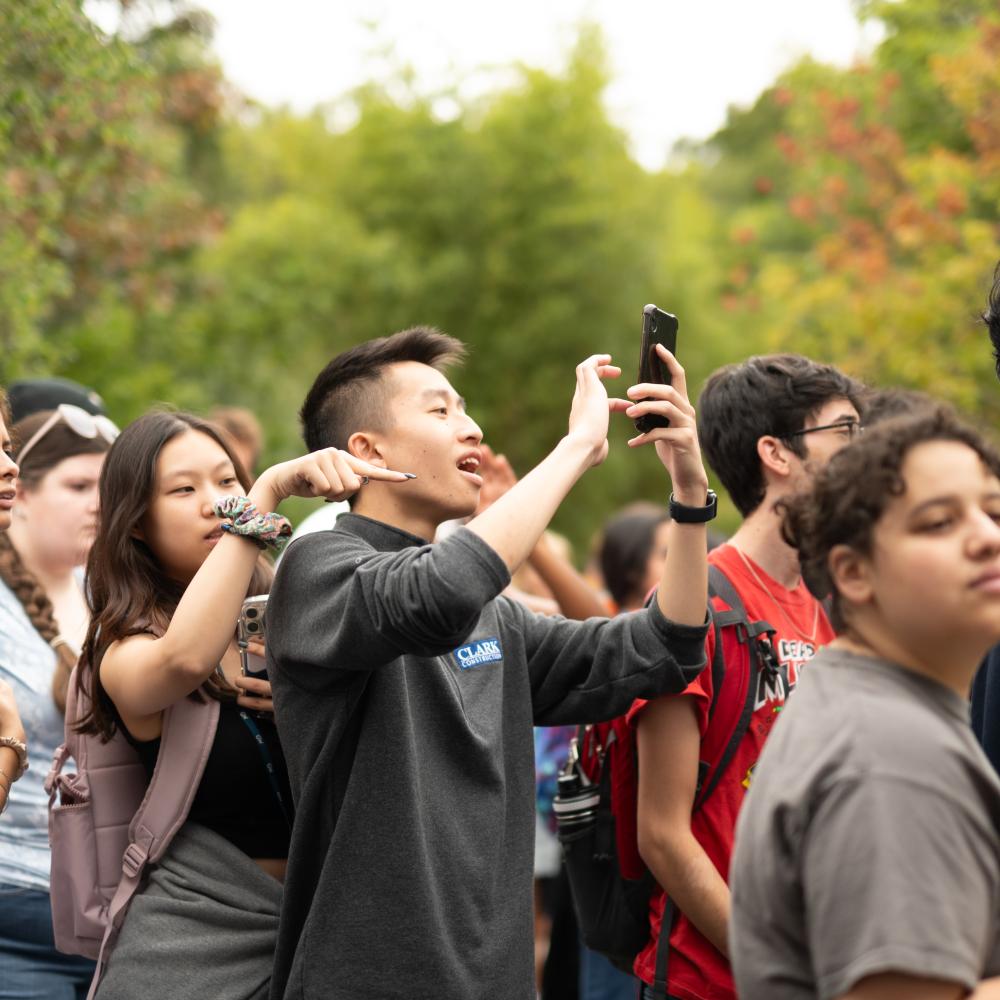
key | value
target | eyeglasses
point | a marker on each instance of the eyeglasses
(852, 429)
(78, 420)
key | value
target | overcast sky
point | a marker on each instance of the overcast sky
(677, 64)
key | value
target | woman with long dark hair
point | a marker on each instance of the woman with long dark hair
(166, 579)
(43, 620)
(867, 862)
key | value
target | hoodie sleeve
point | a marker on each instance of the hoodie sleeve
(591, 671)
(339, 604)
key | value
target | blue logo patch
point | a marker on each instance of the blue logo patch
(478, 653)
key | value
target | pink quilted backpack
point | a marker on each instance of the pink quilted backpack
(105, 825)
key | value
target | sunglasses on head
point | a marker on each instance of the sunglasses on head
(78, 420)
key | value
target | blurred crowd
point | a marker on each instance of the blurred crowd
(328, 793)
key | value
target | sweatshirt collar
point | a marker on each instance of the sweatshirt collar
(378, 534)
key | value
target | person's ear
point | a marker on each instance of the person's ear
(774, 455)
(367, 447)
(851, 574)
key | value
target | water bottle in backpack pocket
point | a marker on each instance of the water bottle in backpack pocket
(612, 909)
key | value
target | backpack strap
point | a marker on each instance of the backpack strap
(663, 949)
(189, 728)
(757, 637)
(762, 658)
(604, 838)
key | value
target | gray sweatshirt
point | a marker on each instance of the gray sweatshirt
(405, 692)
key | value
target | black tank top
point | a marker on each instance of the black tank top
(236, 798)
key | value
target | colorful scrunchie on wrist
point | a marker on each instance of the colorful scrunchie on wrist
(241, 517)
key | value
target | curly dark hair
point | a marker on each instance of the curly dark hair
(850, 494)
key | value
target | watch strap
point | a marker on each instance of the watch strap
(683, 514)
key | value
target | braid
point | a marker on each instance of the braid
(40, 612)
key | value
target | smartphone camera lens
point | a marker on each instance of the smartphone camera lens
(253, 626)
(251, 612)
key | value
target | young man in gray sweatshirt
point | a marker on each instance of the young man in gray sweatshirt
(405, 688)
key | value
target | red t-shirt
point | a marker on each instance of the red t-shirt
(697, 970)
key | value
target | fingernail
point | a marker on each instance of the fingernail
(410, 475)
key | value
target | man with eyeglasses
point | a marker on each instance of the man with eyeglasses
(767, 426)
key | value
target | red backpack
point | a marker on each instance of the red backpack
(105, 825)
(596, 805)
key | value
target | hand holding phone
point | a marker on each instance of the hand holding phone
(250, 628)
(658, 327)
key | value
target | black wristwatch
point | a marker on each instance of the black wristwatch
(683, 514)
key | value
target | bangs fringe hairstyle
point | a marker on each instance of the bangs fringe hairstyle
(58, 444)
(850, 494)
(128, 590)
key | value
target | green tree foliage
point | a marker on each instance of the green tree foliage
(96, 198)
(876, 246)
(518, 223)
(165, 241)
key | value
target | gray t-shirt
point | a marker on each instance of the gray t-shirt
(869, 840)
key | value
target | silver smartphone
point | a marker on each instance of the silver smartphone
(250, 626)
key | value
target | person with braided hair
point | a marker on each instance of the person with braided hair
(43, 620)
(11, 727)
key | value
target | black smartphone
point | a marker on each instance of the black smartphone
(251, 626)
(658, 327)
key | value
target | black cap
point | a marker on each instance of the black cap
(33, 395)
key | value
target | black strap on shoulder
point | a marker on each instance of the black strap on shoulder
(757, 637)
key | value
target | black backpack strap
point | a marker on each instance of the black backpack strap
(605, 845)
(663, 949)
(757, 637)
(736, 737)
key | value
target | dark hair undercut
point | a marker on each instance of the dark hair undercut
(770, 395)
(345, 399)
(850, 494)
